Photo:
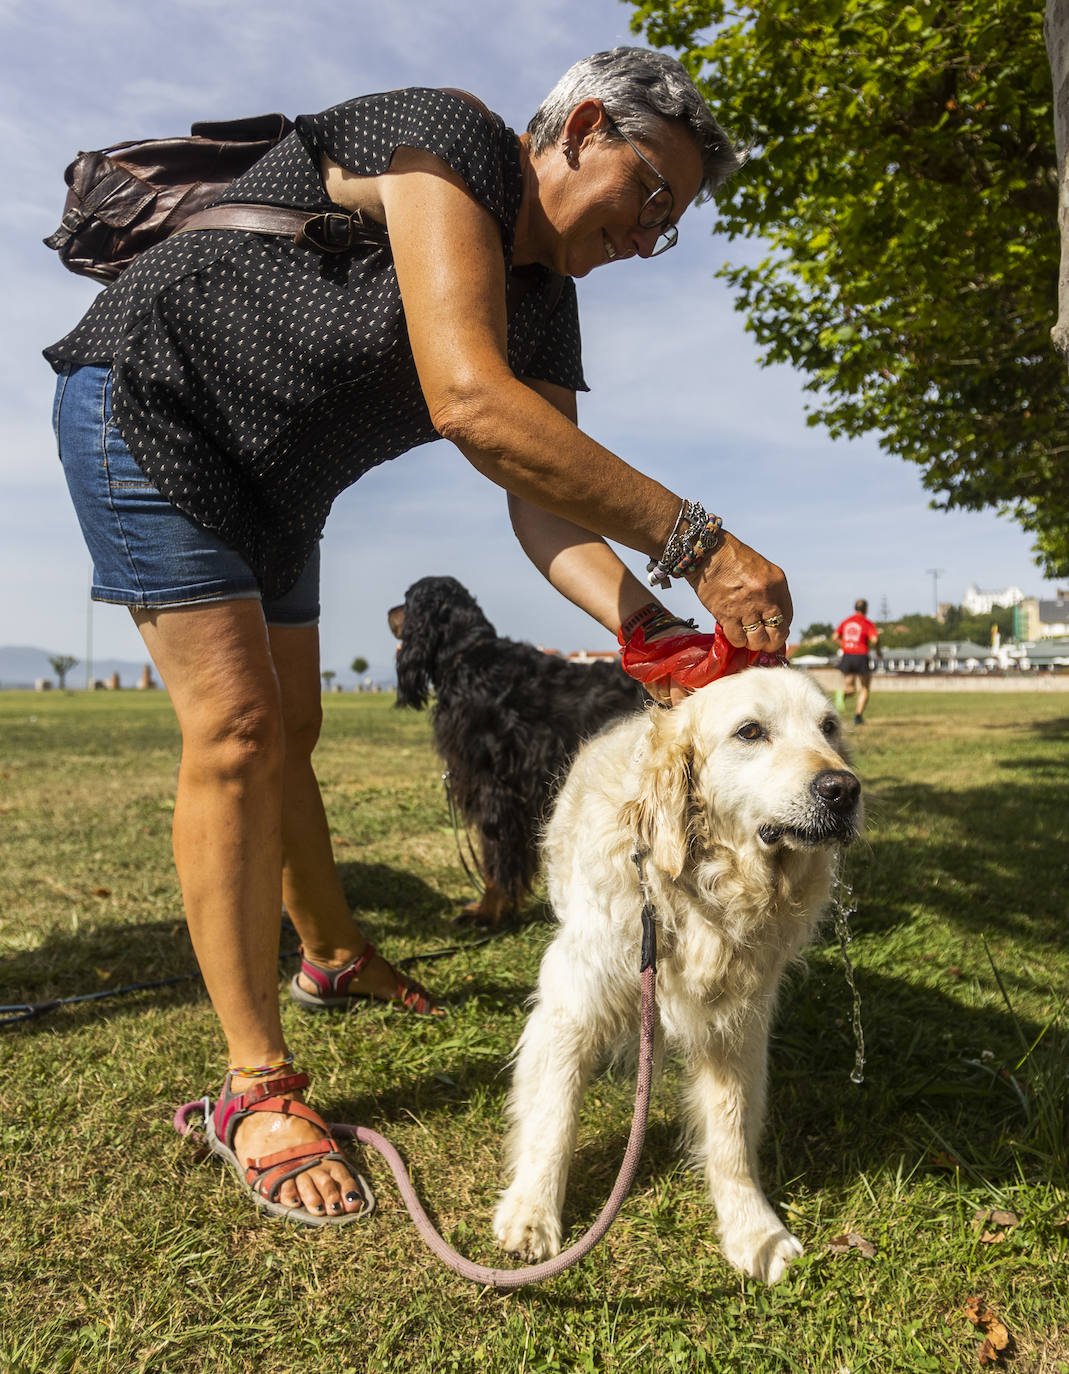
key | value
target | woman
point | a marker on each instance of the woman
(217, 397)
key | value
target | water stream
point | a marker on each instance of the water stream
(842, 907)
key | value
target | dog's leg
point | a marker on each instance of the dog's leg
(488, 910)
(726, 1099)
(569, 1025)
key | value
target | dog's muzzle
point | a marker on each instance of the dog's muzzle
(830, 817)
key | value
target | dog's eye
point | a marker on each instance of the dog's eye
(750, 731)
(830, 726)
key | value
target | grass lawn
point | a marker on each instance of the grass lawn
(124, 1248)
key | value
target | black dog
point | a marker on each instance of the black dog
(507, 720)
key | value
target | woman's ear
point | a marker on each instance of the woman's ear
(659, 816)
(587, 120)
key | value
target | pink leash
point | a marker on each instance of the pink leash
(507, 1279)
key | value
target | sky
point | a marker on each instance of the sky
(676, 385)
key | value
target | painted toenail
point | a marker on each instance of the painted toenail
(352, 1197)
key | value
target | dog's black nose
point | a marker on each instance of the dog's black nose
(837, 788)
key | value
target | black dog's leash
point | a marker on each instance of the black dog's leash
(478, 879)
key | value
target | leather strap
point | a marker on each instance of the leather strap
(331, 232)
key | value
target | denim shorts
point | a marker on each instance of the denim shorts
(146, 553)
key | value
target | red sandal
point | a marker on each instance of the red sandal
(265, 1175)
(332, 988)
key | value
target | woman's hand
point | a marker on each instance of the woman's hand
(747, 594)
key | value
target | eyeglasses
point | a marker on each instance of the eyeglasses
(657, 208)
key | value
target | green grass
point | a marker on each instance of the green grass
(125, 1248)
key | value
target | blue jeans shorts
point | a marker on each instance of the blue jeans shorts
(146, 553)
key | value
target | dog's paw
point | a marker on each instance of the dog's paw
(472, 915)
(763, 1255)
(526, 1228)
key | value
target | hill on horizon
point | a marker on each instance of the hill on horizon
(22, 665)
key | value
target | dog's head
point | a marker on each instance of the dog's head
(754, 762)
(438, 617)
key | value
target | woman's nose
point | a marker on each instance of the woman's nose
(645, 241)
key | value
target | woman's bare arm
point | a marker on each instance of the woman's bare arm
(450, 270)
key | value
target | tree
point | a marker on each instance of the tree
(61, 666)
(358, 666)
(1056, 33)
(328, 675)
(901, 173)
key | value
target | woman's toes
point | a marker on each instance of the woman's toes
(350, 1196)
(319, 1193)
(288, 1196)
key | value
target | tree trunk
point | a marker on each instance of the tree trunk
(1056, 32)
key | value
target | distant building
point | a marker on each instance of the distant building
(1045, 655)
(1034, 619)
(939, 657)
(593, 656)
(978, 602)
(1049, 655)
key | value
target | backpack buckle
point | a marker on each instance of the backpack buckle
(330, 232)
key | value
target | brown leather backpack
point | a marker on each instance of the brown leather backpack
(125, 198)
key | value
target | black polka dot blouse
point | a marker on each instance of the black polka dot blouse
(255, 380)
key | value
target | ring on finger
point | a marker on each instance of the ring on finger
(749, 629)
(773, 621)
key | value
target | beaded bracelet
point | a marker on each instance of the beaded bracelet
(261, 1070)
(684, 552)
(706, 542)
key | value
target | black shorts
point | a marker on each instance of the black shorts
(855, 663)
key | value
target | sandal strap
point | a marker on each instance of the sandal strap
(333, 982)
(414, 995)
(272, 1087)
(269, 1180)
(307, 1150)
(232, 1108)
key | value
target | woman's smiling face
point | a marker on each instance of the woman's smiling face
(593, 186)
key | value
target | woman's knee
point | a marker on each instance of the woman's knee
(237, 737)
(302, 722)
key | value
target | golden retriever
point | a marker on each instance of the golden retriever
(739, 799)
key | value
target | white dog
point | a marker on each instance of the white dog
(739, 799)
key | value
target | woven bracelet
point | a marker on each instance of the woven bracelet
(685, 551)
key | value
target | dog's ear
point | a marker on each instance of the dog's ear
(659, 816)
(418, 627)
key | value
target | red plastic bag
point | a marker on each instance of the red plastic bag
(691, 659)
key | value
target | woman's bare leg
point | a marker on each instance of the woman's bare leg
(215, 660)
(311, 887)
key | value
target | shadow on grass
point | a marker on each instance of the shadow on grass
(101, 958)
(989, 859)
(930, 1099)
(933, 1095)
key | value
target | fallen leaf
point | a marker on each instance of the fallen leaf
(101, 891)
(997, 1340)
(941, 1160)
(994, 1219)
(841, 1245)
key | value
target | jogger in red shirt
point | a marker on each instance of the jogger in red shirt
(855, 636)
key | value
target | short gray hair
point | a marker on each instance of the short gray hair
(640, 88)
